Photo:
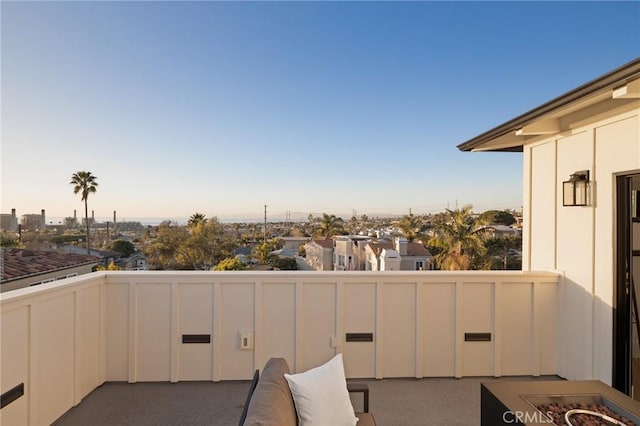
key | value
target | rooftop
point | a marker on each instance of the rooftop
(116, 344)
(407, 402)
(413, 248)
(20, 263)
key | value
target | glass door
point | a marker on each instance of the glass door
(634, 277)
(626, 313)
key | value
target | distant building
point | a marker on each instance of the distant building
(135, 262)
(293, 242)
(349, 252)
(24, 268)
(34, 222)
(411, 256)
(105, 256)
(319, 254)
(9, 222)
(503, 231)
(357, 253)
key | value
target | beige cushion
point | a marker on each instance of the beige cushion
(271, 403)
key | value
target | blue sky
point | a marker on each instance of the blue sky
(308, 107)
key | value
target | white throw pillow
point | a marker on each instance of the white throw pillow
(321, 395)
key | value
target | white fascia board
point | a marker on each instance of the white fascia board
(629, 90)
(542, 127)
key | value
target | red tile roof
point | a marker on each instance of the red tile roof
(20, 263)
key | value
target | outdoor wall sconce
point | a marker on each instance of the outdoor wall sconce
(575, 191)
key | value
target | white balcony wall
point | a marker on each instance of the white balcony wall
(53, 342)
(579, 242)
(63, 340)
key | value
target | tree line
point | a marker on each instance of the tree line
(458, 239)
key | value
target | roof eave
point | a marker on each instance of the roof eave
(616, 78)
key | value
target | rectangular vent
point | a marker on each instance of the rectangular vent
(477, 337)
(11, 395)
(196, 338)
(359, 337)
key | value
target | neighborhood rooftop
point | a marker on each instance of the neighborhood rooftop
(20, 263)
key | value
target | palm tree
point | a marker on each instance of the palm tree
(195, 219)
(458, 236)
(410, 227)
(329, 225)
(85, 183)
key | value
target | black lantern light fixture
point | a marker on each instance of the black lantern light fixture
(575, 191)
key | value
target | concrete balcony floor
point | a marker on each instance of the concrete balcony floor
(402, 402)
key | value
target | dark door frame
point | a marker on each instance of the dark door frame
(627, 186)
(621, 374)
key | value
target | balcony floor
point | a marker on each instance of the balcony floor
(403, 402)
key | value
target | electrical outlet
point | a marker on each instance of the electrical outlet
(246, 340)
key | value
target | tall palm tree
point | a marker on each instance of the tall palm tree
(459, 238)
(330, 225)
(85, 183)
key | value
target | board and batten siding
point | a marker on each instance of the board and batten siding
(578, 242)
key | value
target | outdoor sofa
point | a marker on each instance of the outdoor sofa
(270, 400)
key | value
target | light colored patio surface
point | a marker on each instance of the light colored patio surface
(401, 402)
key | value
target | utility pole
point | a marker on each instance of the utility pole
(265, 223)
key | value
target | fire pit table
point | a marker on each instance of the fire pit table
(588, 402)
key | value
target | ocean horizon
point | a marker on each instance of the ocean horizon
(155, 221)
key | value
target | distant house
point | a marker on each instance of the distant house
(293, 243)
(411, 256)
(106, 256)
(285, 253)
(319, 254)
(348, 252)
(503, 231)
(357, 253)
(23, 268)
(135, 262)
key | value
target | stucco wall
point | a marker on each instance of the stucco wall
(580, 241)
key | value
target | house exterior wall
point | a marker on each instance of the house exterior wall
(293, 243)
(408, 263)
(579, 242)
(349, 254)
(389, 260)
(371, 260)
(318, 257)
